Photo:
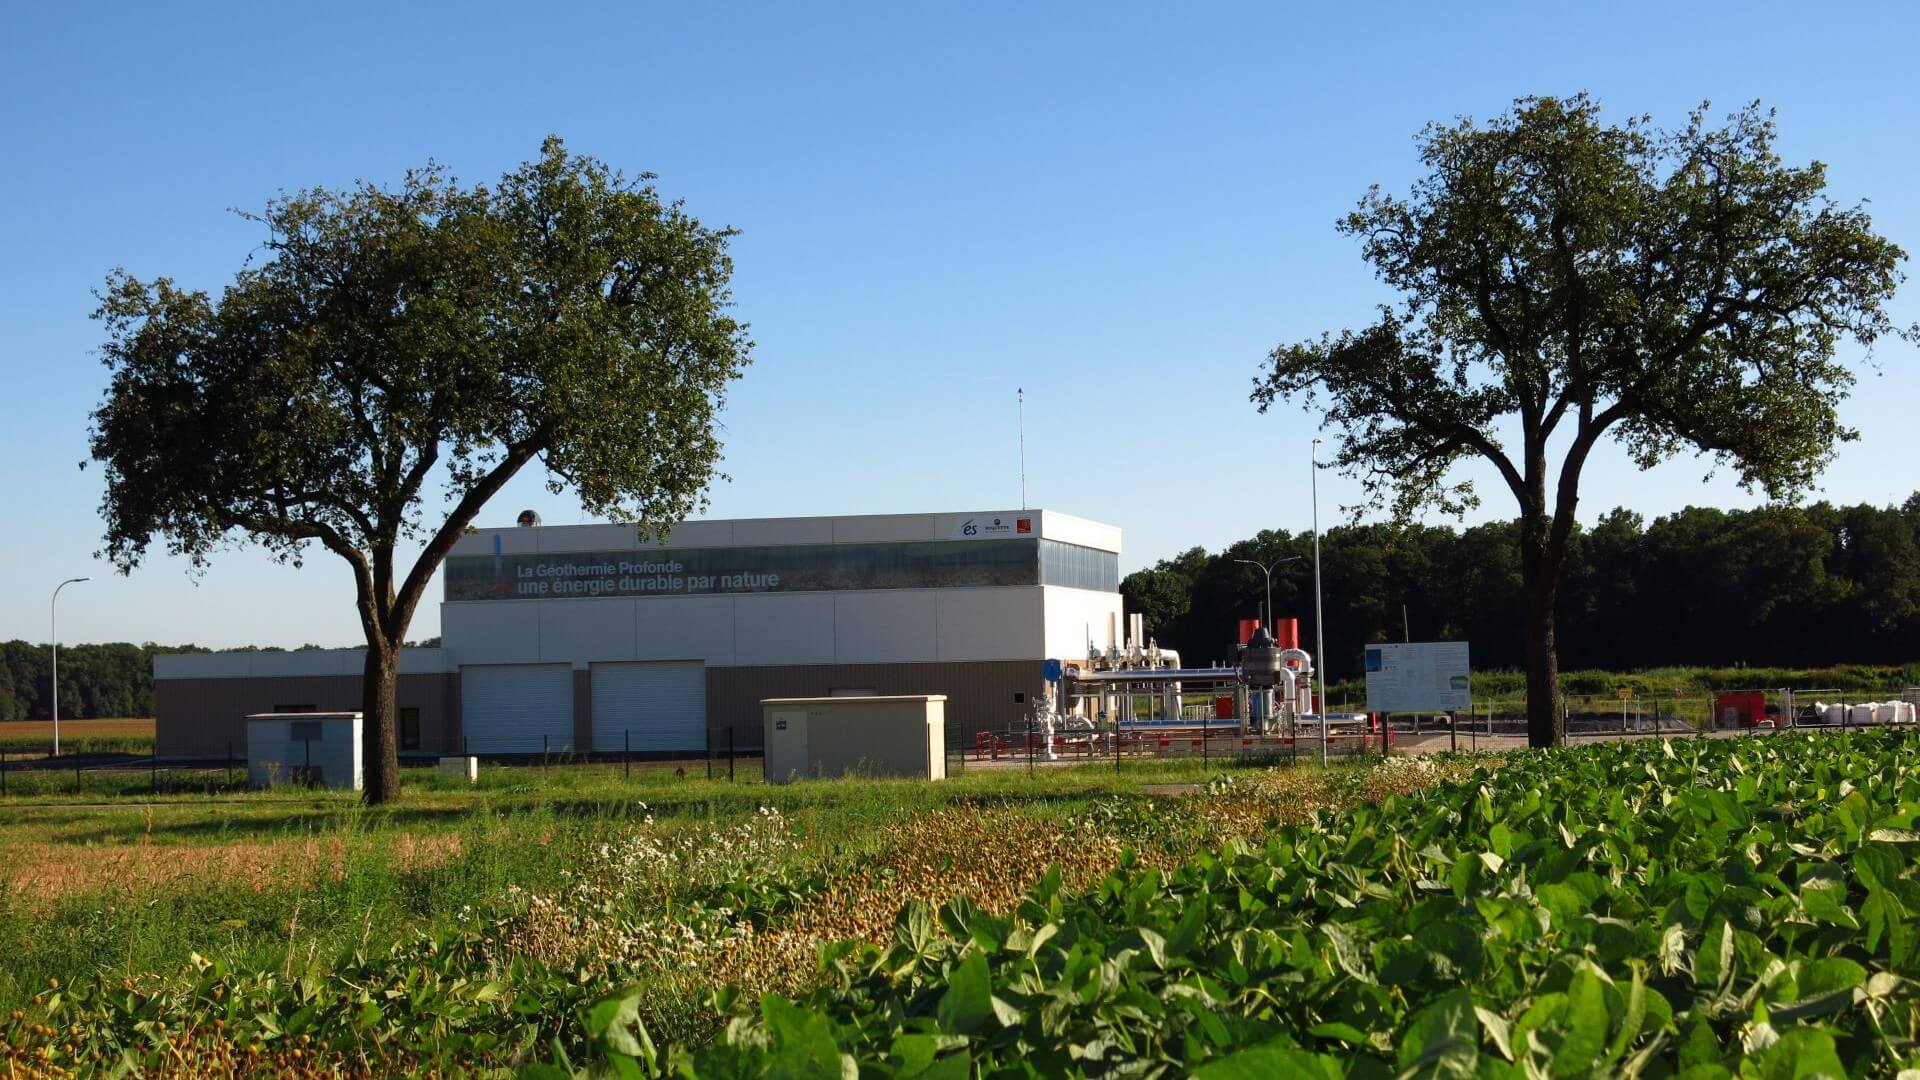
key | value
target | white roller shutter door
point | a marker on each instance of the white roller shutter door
(517, 708)
(660, 706)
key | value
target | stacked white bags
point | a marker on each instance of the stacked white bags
(1869, 712)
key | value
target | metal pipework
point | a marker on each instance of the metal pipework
(1154, 675)
(1262, 664)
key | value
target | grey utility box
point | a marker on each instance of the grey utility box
(321, 749)
(891, 735)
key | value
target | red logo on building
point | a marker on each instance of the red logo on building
(1024, 525)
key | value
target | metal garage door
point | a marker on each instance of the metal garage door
(517, 708)
(660, 706)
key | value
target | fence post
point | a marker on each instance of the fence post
(730, 731)
(153, 776)
(709, 752)
(1453, 731)
(229, 762)
(626, 753)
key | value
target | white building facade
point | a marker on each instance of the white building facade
(575, 638)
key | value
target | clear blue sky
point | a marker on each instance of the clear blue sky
(1120, 208)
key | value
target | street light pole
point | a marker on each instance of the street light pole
(53, 633)
(1267, 569)
(1319, 616)
(1266, 707)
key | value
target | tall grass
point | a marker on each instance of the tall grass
(335, 876)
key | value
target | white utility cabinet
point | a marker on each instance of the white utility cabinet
(322, 749)
(881, 735)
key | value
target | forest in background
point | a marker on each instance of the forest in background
(109, 679)
(1786, 587)
(1794, 587)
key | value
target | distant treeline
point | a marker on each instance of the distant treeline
(113, 679)
(1795, 587)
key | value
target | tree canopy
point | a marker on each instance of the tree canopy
(396, 350)
(1781, 586)
(1565, 281)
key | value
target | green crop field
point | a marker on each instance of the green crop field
(1699, 907)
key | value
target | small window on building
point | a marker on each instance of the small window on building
(843, 691)
(409, 728)
(295, 708)
(1019, 697)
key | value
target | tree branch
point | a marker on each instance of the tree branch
(462, 515)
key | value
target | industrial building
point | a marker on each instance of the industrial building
(574, 638)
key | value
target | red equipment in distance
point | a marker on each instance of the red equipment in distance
(1286, 632)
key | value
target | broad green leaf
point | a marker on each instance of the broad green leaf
(1500, 838)
(1346, 1033)
(1442, 1039)
(1586, 1026)
(1270, 1062)
(967, 1005)
(1800, 1052)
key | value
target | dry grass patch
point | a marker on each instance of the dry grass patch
(41, 874)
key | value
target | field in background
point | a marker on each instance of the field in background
(107, 735)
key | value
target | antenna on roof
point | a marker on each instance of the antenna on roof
(1020, 397)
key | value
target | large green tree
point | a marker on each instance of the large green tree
(1162, 596)
(1565, 281)
(395, 356)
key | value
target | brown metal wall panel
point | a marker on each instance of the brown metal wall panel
(456, 734)
(583, 709)
(980, 694)
(199, 718)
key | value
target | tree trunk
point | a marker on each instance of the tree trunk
(379, 689)
(1541, 560)
(1546, 725)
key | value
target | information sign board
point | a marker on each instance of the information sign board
(1419, 677)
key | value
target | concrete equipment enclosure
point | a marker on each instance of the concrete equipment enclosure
(891, 735)
(316, 748)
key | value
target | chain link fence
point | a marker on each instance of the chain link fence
(736, 756)
(1201, 738)
(1499, 722)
